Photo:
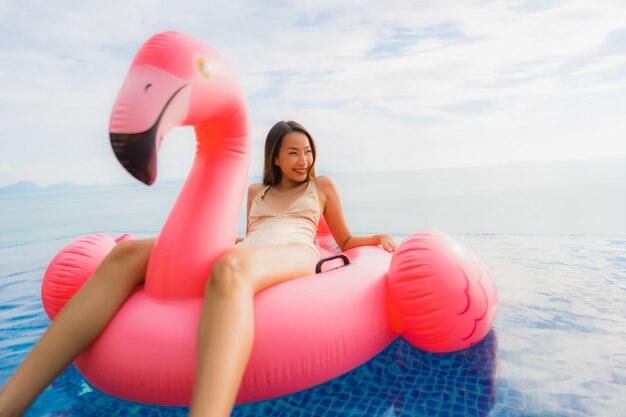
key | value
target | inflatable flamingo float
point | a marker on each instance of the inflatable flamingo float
(433, 291)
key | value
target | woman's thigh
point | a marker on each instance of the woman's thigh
(265, 266)
(127, 261)
(134, 250)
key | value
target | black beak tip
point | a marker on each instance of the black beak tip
(137, 154)
(146, 178)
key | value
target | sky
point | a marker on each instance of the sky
(382, 86)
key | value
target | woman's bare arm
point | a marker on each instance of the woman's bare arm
(333, 213)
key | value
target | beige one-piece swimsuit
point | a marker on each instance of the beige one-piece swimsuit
(296, 224)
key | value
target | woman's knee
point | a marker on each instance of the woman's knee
(229, 273)
(128, 260)
(130, 250)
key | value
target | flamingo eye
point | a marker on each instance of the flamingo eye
(203, 68)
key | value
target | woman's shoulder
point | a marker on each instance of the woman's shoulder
(325, 187)
(324, 182)
(254, 189)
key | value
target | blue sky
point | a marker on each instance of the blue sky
(381, 85)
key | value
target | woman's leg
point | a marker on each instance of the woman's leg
(226, 327)
(78, 324)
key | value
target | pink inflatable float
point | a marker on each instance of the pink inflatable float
(432, 291)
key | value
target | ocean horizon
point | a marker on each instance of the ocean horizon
(571, 198)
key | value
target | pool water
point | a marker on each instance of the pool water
(557, 348)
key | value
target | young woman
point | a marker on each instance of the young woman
(283, 214)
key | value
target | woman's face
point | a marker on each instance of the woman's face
(295, 157)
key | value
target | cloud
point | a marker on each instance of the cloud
(381, 86)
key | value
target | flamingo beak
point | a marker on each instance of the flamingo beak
(137, 152)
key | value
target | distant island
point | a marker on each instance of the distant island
(27, 187)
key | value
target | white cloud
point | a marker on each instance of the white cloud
(381, 86)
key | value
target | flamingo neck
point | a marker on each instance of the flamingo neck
(203, 222)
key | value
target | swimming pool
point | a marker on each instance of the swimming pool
(558, 347)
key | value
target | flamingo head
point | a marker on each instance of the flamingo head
(174, 80)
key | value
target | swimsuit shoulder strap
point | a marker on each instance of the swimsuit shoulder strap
(312, 191)
(261, 194)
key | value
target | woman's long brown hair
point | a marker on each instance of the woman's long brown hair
(273, 142)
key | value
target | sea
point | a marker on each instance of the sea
(552, 234)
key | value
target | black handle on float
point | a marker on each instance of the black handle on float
(318, 267)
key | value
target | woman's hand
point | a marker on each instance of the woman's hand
(387, 242)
